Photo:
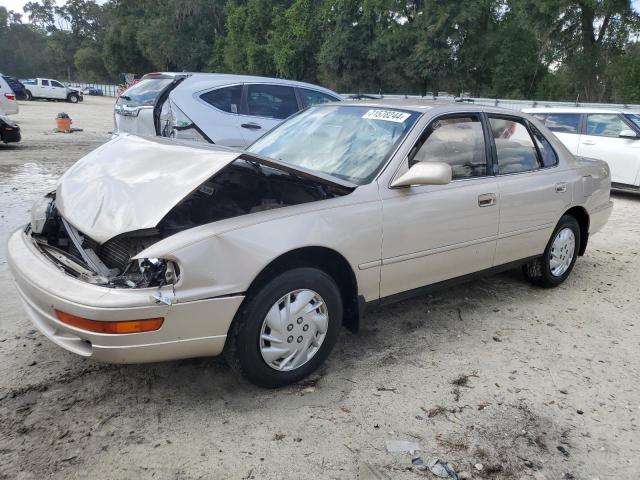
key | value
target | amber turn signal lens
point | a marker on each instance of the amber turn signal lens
(126, 326)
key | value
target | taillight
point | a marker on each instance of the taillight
(10, 96)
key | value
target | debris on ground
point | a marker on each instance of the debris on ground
(369, 472)
(442, 469)
(401, 446)
(463, 379)
(479, 467)
(435, 411)
(563, 450)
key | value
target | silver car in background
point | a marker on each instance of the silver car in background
(152, 250)
(230, 110)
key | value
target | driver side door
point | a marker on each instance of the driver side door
(433, 233)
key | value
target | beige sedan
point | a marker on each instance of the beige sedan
(152, 250)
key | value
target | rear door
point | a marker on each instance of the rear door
(44, 89)
(58, 90)
(532, 185)
(601, 140)
(264, 107)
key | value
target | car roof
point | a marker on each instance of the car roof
(575, 110)
(431, 106)
(204, 81)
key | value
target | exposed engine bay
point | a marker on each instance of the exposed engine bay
(245, 186)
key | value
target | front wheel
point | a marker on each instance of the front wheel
(559, 257)
(73, 98)
(287, 329)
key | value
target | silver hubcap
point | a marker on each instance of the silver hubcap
(293, 330)
(562, 251)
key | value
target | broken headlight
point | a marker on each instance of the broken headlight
(41, 211)
(147, 272)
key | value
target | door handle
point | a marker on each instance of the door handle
(588, 142)
(561, 187)
(251, 126)
(486, 199)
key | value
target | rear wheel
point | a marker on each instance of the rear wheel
(73, 98)
(559, 257)
(287, 329)
(28, 95)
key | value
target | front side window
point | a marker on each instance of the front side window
(515, 149)
(226, 99)
(563, 122)
(45, 83)
(55, 84)
(605, 125)
(351, 142)
(271, 101)
(458, 141)
(313, 97)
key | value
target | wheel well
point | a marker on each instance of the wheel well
(581, 215)
(330, 262)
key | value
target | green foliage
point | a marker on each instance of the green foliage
(542, 49)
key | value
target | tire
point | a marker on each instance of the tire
(73, 98)
(246, 349)
(28, 95)
(562, 250)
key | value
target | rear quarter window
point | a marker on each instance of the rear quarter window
(313, 97)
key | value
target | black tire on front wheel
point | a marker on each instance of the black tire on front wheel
(539, 271)
(242, 348)
(73, 98)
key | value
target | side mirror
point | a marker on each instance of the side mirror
(628, 134)
(425, 173)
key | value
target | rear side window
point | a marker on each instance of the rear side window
(547, 153)
(144, 93)
(226, 99)
(605, 125)
(45, 83)
(514, 146)
(313, 97)
(271, 101)
(563, 122)
(458, 141)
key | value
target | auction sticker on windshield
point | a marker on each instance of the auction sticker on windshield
(387, 115)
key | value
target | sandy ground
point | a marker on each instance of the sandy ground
(530, 383)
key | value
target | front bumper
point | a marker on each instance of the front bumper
(190, 329)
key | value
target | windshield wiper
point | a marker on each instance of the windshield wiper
(125, 97)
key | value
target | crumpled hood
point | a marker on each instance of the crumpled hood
(131, 183)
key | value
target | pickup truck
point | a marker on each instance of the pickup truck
(51, 89)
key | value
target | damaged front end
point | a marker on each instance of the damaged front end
(245, 186)
(110, 264)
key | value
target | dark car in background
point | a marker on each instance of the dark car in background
(9, 130)
(94, 91)
(17, 86)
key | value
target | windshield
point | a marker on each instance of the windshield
(348, 142)
(144, 93)
(634, 117)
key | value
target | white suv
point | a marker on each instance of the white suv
(609, 135)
